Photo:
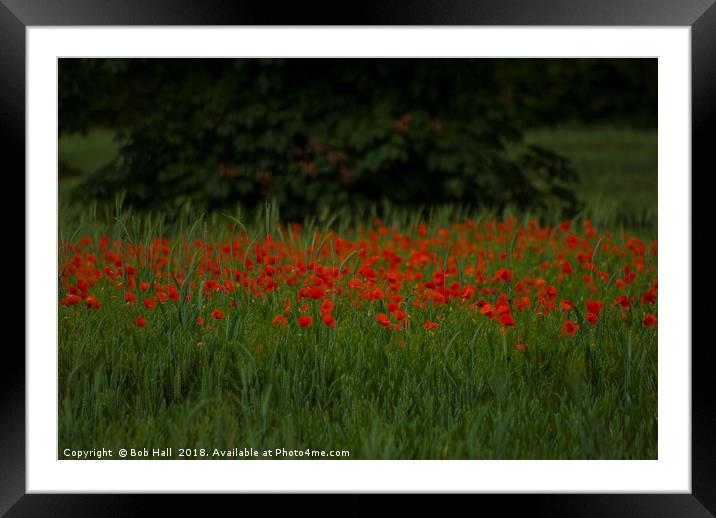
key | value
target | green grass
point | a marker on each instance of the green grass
(458, 392)
(88, 153)
(617, 168)
(461, 391)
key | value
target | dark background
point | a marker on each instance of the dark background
(312, 134)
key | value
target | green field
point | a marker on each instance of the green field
(463, 389)
(617, 169)
(464, 336)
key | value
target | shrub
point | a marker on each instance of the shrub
(314, 133)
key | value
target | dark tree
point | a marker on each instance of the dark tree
(332, 132)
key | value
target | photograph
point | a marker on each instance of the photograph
(357, 259)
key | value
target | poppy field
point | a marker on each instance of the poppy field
(448, 335)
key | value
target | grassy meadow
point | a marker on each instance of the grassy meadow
(450, 335)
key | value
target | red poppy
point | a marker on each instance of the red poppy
(622, 301)
(569, 328)
(130, 298)
(140, 322)
(173, 293)
(649, 320)
(218, 314)
(92, 302)
(594, 306)
(503, 274)
(566, 305)
(305, 321)
(399, 314)
(649, 297)
(329, 320)
(507, 320)
(279, 320)
(502, 308)
(551, 292)
(327, 307)
(522, 303)
(315, 293)
(430, 325)
(71, 300)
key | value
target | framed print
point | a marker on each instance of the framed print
(424, 241)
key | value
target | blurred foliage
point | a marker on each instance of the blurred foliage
(586, 92)
(317, 133)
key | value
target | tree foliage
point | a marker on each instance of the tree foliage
(311, 133)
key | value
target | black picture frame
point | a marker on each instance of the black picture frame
(17, 15)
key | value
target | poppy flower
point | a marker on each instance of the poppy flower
(503, 274)
(649, 297)
(430, 325)
(522, 303)
(502, 308)
(315, 293)
(218, 314)
(173, 293)
(382, 319)
(327, 307)
(71, 300)
(649, 320)
(594, 306)
(92, 302)
(468, 292)
(279, 320)
(150, 303)
(551, 292)
(622, 301)
(329, 320)
(130, 298)
(520, 346)
(140, 322)
(566, 305)
(569, 328)
(305, 321)
(507, 320)
(399, 314)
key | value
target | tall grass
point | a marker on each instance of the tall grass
(459, 391)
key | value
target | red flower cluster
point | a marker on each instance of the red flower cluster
(498, 271)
